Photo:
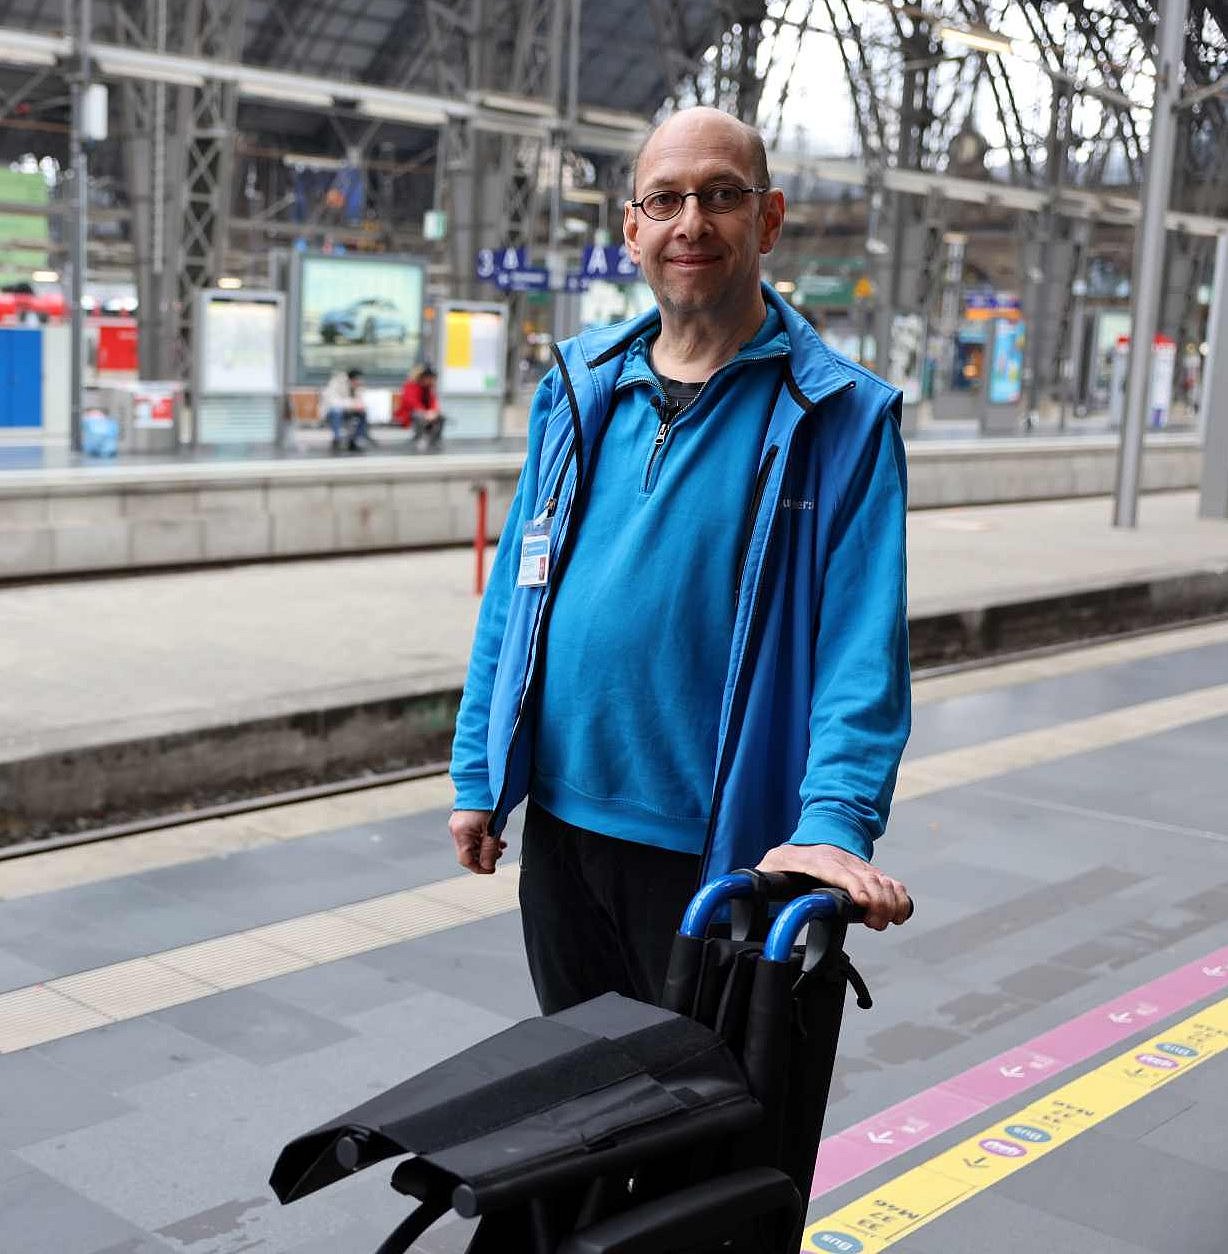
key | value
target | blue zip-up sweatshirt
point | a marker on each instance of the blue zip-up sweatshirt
(815, 701)
(640, 630)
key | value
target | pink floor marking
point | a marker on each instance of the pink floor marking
(928, 1114)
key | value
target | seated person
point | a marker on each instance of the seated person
(343, 406)
(418, 407)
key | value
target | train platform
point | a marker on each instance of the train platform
(185, 687)
(63, 516)
(1045, 1066)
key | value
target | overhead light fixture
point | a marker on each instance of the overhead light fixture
(786, 287)
(229, 284)
(979, 37)
(46, 276)
(148, 68)
(285, 92)
(313, 161)
(19, 48)
(616, 118)
(585, 196)
(506, 102)
(403, 111)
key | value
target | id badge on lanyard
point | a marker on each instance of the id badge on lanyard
(534, 569)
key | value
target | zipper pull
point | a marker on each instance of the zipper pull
(668, 410)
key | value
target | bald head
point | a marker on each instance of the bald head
(704, 124)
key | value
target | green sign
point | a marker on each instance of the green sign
(24, 237)
(825, 291)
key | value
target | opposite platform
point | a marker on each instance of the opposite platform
(194, 511)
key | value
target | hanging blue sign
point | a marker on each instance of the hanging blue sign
(491, 262)
(574, 281)
(529, 279)
(609, 262)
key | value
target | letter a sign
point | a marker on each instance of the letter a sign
(609, 262)
(596, 263)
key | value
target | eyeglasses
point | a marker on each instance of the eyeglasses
(715, 198)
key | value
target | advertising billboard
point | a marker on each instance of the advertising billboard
(238, 377)
(241, 339)
(473, 351)
(356, 313)
(1006, 366)
(472, 367)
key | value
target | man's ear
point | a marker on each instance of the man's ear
(631, 232)
(771, 219)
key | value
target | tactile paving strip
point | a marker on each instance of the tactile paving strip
(125, 990)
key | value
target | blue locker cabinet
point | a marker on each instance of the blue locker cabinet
(21, 377)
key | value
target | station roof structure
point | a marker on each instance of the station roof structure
(1019, 110)
(632, 51)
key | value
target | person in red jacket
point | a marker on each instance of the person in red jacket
(418, 407)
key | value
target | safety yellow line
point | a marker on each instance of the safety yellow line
(885, 1215)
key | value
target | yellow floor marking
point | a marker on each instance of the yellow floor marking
(883, 1216)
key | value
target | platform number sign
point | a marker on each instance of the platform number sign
(610, 262)
(492, 262)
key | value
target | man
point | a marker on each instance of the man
(693, 652)
(343, 404)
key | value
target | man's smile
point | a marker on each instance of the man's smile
(693, 261)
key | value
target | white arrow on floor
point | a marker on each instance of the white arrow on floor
(1012, 1073)
(1215, 971)
(880, 1138)
(1122, 1016)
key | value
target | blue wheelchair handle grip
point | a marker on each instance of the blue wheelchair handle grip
(789, 923)
(711, 898)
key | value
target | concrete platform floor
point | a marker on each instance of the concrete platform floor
(103, 659)
(1060, 822)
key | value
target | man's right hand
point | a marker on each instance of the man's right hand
(476, 849)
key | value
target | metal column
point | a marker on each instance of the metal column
(81, 198)
(214, 28)
(1149, 257)
(1213, 409)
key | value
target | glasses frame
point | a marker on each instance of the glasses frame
(699, 195)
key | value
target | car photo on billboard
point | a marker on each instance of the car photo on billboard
(364, 322)
(356, 313)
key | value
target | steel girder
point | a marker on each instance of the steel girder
(1096, 55)
(215, 28)
(179, 144)
(151, 158)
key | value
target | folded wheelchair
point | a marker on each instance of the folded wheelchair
(618, 1127)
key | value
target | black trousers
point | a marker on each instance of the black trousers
(599, 914)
